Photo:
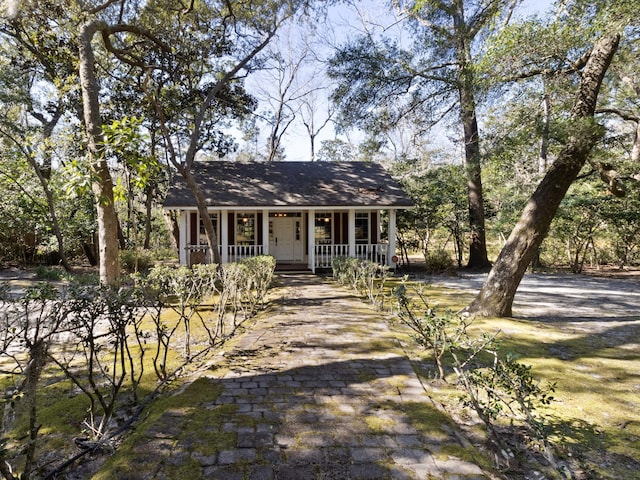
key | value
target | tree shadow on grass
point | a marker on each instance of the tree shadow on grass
(619, 342)
(587, 449)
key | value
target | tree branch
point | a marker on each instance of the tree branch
(480, 18)
(213, 91)
(108, 30)
(624, 114)
(99, 8)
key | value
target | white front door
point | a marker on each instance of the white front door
(284, 238)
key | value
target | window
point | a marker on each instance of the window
(323, 223)
(362, 227)
(245, 229)
(202, 238)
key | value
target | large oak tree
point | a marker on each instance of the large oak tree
(498, 292)
(579, 46)
(188, 59)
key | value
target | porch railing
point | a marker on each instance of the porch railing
(326, 253)
(375, 252)
(200, 253)
(239, 252)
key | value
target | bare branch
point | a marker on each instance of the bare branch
(215, 90)
(99, 8)
(624, 114)
(107, 31)
(510, 9)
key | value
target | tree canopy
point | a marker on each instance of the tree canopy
(427, 75)
(178, 66)
(109, 99)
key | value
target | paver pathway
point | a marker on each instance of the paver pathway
(319, 389)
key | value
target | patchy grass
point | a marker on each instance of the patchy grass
(378, 424)
(62, 407)
(595, 418)
(59, 412)
(171, 424)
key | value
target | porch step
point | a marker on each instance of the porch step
(292, 267)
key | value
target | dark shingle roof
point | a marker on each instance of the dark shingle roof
(283, 184)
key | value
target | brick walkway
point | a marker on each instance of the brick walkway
(319, 389)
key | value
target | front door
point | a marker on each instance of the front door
(284, 237)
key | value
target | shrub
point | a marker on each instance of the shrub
(50, 273)
(499, 387)
(102, 338)
(439, 261)
(132, 261)
(364, 276)
(434, 331)
(262, 269)
(345, 271)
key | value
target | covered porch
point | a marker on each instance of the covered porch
(310, 237)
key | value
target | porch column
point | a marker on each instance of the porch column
(224, 236)
(265, 232)
(392, 238)
(311, 240)
(182, 241)
(352, 233)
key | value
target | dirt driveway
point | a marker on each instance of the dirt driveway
(606, 310)
(564, 297)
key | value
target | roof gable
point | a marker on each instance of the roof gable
(283, 184)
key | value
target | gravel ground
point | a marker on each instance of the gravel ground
(564, 297)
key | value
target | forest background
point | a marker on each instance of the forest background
(468, 104)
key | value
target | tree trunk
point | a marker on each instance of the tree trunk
(38, 358)
(478, 244)
(102, 183)
(148, 204)
(497, 294)
(204, 214)
(55, 224)
(543, 157)
(122, 242)
(44, 177)
(174, 228)
(635, 151)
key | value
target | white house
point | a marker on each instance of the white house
(302, 213)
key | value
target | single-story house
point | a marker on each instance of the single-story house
(302, 213)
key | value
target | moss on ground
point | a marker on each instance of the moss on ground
(438, 427)
(378, 425)
(173, 423)
(595, 417)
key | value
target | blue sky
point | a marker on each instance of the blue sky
(296, 141)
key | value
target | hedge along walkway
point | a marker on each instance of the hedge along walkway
(317, 389)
